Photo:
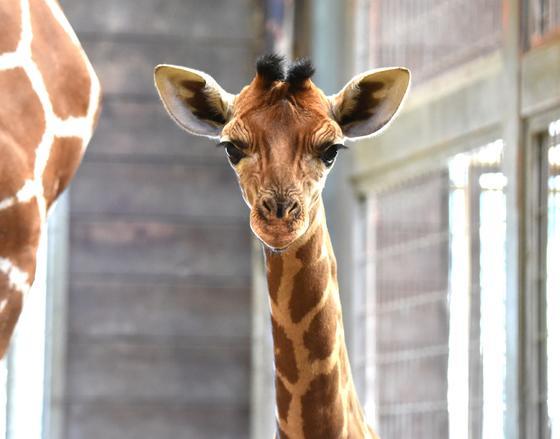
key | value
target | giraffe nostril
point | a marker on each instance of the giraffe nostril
(266, 206)
(294, 209)
(279, 208)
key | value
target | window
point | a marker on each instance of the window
(436, 285)
(548, 280)
(544, 19)
(431, 36)
(552, 146)
(407, 273)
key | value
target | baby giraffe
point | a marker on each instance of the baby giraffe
(281, 135)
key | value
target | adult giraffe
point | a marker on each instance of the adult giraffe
(49, 103)
(281, 135)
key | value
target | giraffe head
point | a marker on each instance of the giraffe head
(281, 133)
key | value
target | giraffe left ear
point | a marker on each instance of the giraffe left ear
(370, 101)
(193, 99)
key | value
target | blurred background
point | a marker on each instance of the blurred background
(149, 317)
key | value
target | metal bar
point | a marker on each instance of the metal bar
(513, 162)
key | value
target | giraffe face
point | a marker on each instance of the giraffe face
(281, 134)
(281, 143)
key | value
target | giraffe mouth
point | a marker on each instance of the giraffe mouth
(277, 234)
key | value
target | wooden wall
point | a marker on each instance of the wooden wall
(159, 276)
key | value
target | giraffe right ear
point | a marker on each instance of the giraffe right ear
(193, 99)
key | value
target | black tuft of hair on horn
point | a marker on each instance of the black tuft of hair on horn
(300, 71)
(270, 67)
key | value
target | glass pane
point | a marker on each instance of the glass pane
(437, 283)
(477, 293)
(408, 285)
(553, 280)
(544, 19)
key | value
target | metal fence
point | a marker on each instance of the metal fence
(408, 285)
(544, 19)
(436, 311)
(430, 36)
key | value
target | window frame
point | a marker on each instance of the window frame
(534, 82)
(533, 292)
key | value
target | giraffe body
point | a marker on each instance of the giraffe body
(49, 104)
(281, 135)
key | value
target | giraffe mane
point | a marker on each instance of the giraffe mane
(271, 68)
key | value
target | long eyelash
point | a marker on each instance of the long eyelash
(326, 146)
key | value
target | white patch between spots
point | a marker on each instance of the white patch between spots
(9, 60)
(29, 190)
(17, 279)
(7, 202)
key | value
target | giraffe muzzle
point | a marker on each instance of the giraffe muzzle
(278, 221)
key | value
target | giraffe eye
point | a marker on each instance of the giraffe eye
(233, 152)
(329, 154)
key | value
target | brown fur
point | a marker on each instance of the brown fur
(283, 399)
(63, 69)
(288, 164)
(11, 26)
(23, 124)
(63, 163)
(19, 103)
(323, 394)
(322, 410)
(310, 282)
(320, 337)
(284, 356)
(274, 275)
(280, 132)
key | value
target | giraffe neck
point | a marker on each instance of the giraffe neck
(315, 395)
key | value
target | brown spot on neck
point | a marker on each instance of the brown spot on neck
(322, 409)
(61, 63)
(22, 120)
(274, 271)
(312, 279)
(283, 399)
(10, 17)
(284, 355)
(65, 157)
(320, 337)
(20, 227)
